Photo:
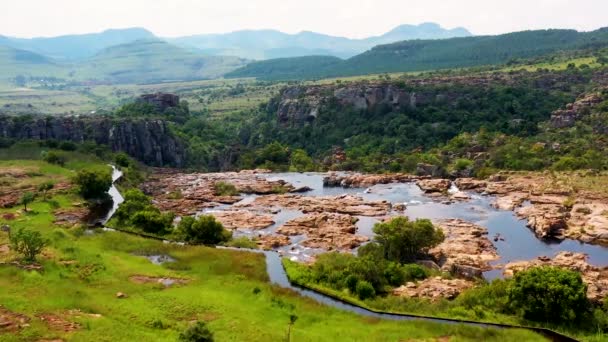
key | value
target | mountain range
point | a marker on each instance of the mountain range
(249, 44)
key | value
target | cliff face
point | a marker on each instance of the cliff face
(149, 141)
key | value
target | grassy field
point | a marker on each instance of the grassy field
(73, 297)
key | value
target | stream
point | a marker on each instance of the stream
(520, 243)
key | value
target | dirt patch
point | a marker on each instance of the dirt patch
(4, 249)
(11, 321)
(70, 217)
(59, 323)
(10, 216)
(165, 281)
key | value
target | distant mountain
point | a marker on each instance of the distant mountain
(153, 60)
(141, 61)
(72, 47)
(14, 62)
(265, 44)
(418, 55)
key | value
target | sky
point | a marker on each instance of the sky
(348, 18)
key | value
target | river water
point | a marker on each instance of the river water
(519, 243)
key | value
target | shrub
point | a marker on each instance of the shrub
(365, 290)
(206, 230)
(68, 146)
(351, 283)
(45, 188)
(549, 294)
(198, 332)
(122, 159)
(462, 164)
(93, 183)
(224, 189)
(152, 221)
(414, 272)
(28, 243)
(242, 242)
(402, 240)
(54, 158)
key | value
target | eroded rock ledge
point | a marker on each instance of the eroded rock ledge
(343, 204)
(466, 251)
(327, 231)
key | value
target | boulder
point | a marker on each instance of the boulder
(435, 288)
(434, 185)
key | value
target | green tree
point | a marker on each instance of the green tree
(204, 230)
(26, 199)
(28, 243)
(365, 290)
(45, 188)
(301, 161)
(52, 157)
(549, 294)
(198, 332)
(403, 240)
(93, 183)
(292, 321)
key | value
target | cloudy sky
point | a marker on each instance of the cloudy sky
(350, 18)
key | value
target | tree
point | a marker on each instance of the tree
(28, 243)
(198, 332)
(26, 199)
(301, 161)
(53, 158)
(93, 183)
(403, 240)
(45, 188)
(206, 230)
(549, 294)
(365, 290)
(292, 321)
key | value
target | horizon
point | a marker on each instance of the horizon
(30, 19)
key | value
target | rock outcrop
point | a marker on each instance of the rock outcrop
(466, 251)
(567, 117)
(360, 180)
(149, 141)
(434, 185)
(326, 231)
(595, 277)
(160, 101)
(435, 288)
(343, 204)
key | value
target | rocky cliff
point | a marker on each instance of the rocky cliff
(149, 141)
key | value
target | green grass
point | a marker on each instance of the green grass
(84, 272)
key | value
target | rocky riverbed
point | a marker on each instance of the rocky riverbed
(301, 215)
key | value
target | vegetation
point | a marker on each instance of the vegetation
(26, 199)
(204, 230)
(137, 212)
(93, 184)
(225, 189)
(198, 332)
(27, 243)
(549, 295)
(402, 240)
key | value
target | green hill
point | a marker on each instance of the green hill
(289, 68)
(14, 62)
(418, 55)
(154, 60)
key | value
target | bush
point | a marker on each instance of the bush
(45, 188)
(68, 146)
(242, 242)
(28, 243)
(153, 221)
(26, 199)
(198, 332)
(365, 290)
(413, 272)
(122, 159)
(549, 294)
(403, 240)
(206, 230)
(53, 158)
(93, 183)
(224, 189)
(351, 283)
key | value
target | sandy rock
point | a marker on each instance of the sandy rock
(71, 216)
(548, 221)
(435, 288)
(460, 196)
(187, 193)
(470, 183)
(434, 185)
(325, 230)
(243, 219)
(466, 251)
(59, 323)
(121, 295)
(270, 242)
(595, 277)
(165, 281)
(359, 180)
(344, 204)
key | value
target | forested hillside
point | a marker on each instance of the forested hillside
(417, 55)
